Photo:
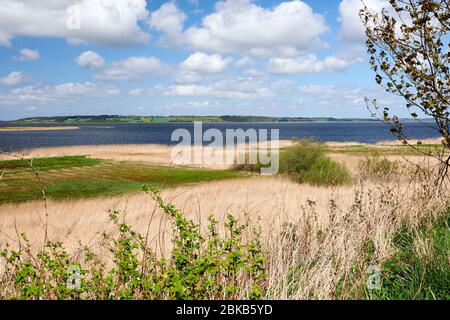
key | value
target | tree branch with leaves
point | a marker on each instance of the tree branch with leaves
(409, 50)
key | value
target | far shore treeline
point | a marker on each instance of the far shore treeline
(162, 119)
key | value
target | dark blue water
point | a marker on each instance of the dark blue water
(160, 133)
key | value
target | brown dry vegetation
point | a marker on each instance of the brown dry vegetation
(161, 154)
(314, 236)
(151, 153)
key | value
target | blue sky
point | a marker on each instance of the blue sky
(136, 57)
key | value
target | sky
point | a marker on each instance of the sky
(135, 57)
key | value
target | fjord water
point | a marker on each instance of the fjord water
(160, 133)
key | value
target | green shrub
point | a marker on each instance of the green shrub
(300, 157)
(201, 266)
(377, 168)
(325, 171)
(306, 162)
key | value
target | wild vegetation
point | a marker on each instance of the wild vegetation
(318, 241)
(378, 168)
(201, 266)
(306, 162)
(319, 230)
(419, 269)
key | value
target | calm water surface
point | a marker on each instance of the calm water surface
(160, 133)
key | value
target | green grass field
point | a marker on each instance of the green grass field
(82, 177)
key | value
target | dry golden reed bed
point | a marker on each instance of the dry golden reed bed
(150, 153)
(315, 237)
(161, 154)
(319, 231)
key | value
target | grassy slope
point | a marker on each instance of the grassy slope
(81, 177)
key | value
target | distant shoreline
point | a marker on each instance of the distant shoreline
(6, 128)
(117, 119)
(179, 119)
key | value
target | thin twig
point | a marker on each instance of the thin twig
(41, 185)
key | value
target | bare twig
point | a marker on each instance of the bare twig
(29, 164)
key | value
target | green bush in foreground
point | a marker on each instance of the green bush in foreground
(306, 162)
(201, 266)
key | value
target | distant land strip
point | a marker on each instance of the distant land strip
(164, 119)
(187, 118)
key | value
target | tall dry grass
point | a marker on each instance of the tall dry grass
(319, 240)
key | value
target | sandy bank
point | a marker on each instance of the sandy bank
(37, 128)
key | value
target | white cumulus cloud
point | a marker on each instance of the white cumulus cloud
(169, 20)
(242, 26)
(65, 92)
(13, 79)
(112, 22)
(187, 76)
(132, 68)
(90, 59)
(235, 88)
(308, 64)
(204, 63)
(244, 62)
(28, 54)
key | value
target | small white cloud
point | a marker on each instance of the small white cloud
(13, 79)
(309, 64)
(90, 59)
(28, 54)
(188, 76)
(244, 62)
(242, 84)
(204, 63)
(132, 68)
